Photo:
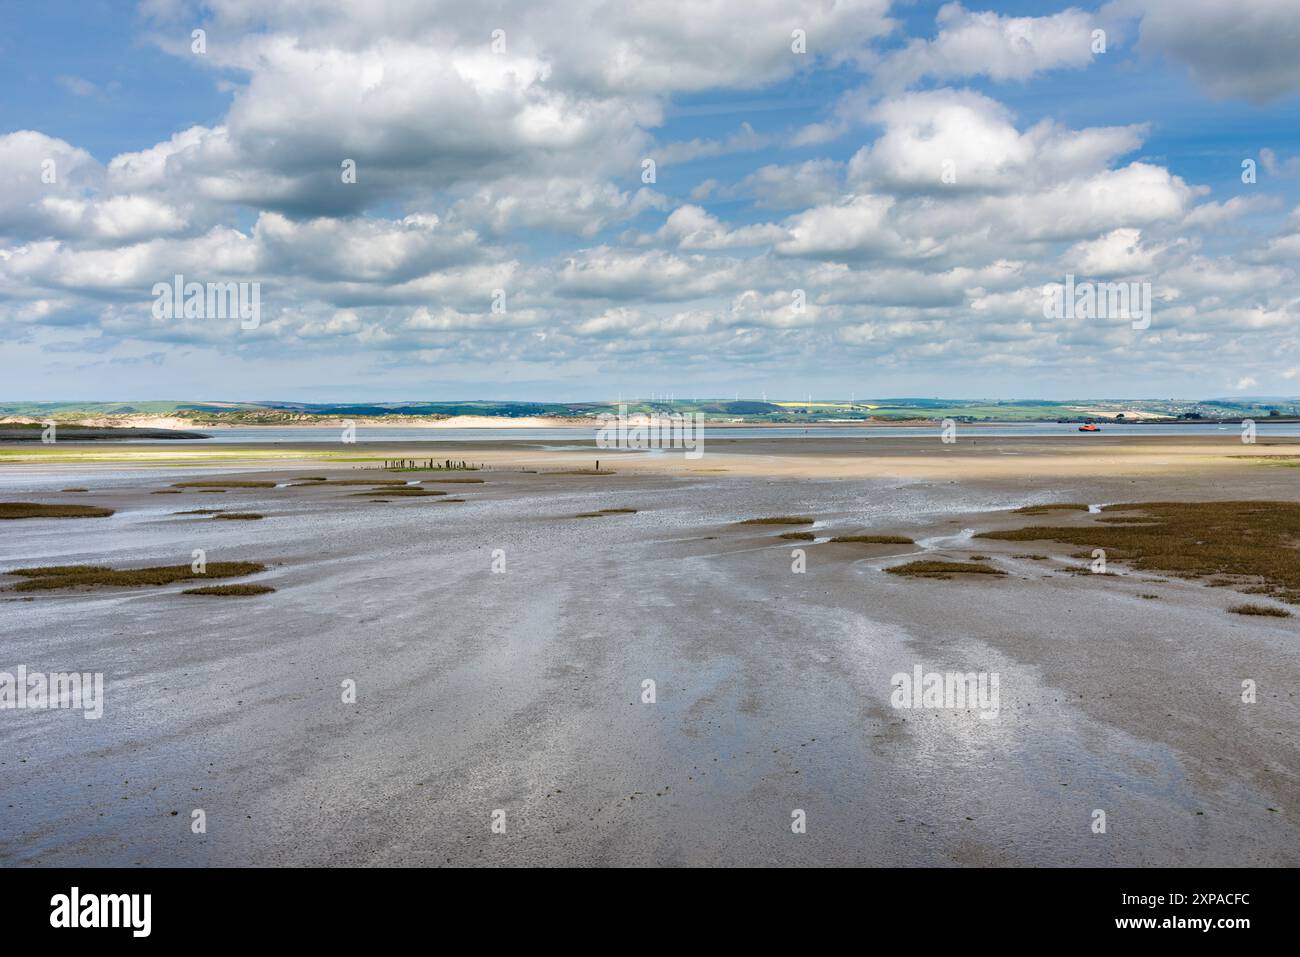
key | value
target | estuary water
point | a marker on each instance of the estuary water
(264, 434)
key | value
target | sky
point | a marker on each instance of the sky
(581, 199)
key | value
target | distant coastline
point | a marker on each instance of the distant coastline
(175, 416)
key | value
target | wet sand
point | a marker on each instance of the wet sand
(522, 691)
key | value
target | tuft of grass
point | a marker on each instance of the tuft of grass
(242, 589)
(875, 539)
(606, 511)
(779, 520)
(238, 516)
(97, 576)
(1284, 461)
(798, 536)
(57, 570)
(404, 491)
(37, 510)
(224, 484)
(1035, 558)
(386, 483)
(936, 569)
(1265, 610)
(1044, 509)
(1242, 544)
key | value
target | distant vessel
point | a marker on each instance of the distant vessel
(1089, 428)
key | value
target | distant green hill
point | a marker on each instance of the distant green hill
(775, 411)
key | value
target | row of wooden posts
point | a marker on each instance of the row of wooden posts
(446, 465)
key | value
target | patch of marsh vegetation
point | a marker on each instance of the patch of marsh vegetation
(606, 511)
(875, 539)
(244, 589)
(378, 482)
(239, 516)
(937, 569)
(779, 520)
(38, 510)
(98, 576)
(1267, 611)
(1283, 461)
(225, 483)
(403, 491)
(74, 490)
(1245, 545)
(200, 511)
(798, 536)
(1044, 509)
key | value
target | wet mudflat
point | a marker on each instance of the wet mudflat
(523, 690)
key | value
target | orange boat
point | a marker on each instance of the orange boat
(1089, 428)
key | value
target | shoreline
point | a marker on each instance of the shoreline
(812, 457)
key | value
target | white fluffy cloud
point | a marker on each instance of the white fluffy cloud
(972, 44)
(949, 140)
(690, 227)
(1118, 253)
(924, 238)
(564, 203)
(634, 47)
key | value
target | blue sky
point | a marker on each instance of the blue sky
(800, 234)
